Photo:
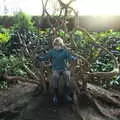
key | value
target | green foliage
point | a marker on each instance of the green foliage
(4, 34)
(23, 22)
(7, 21)
(13, 64)
(3, 63)
(3, 84)
(103, 64)
(4, 37)
(4, 30)
(109, 33)
(118, 46)
(115, 81)
(61, 33)
(90, 50)
(78, 32)
(87, 48)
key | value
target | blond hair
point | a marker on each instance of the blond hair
(58, 41)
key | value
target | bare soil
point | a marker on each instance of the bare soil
(24, 102)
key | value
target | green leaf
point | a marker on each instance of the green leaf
(4, 37)
(118, 48)
(78, 32)
(116, 82)
(111, 82)
(62, 33)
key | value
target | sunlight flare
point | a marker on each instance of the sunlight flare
(98, 7)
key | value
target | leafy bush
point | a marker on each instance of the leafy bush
(100, 62)
(24, 26)
(23, 22)
(11, 64)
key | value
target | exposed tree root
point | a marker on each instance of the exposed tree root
(16, 78)
(102, 94)
(103, 102)
(99, 99)
(8, 114)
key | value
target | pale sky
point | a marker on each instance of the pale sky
(99, 7)
(85, 7)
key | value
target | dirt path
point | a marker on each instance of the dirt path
(20, 103)
(40, 109)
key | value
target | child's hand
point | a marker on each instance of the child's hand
(73, 63)
(39, 59)
(74, 58)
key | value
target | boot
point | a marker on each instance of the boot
(55, 97)
(68, 94)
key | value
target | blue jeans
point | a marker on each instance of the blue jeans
(56, 77)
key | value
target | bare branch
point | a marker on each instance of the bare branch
(65, 6)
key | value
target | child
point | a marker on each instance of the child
(59, 58)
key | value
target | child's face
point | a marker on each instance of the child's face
(57, 46)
